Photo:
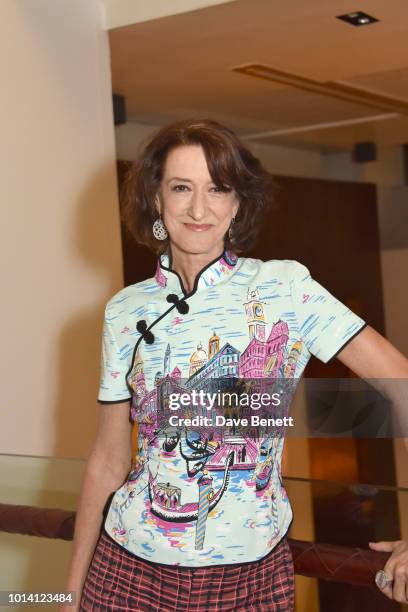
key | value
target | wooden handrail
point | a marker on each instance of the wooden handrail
(35, 521)
(325, 561)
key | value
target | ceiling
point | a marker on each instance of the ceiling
(182, 66)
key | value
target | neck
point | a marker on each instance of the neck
(188, 265)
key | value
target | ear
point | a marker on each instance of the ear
(157, 203)
(236, 208)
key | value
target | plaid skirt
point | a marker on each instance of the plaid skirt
(118, 580)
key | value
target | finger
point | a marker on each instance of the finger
(400, 584)
(387, 592)
(389, 572)
(383, 546)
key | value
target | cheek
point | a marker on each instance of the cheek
(227, 218)
(224, 211)
(173, 209)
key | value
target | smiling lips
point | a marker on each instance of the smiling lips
(197, 228)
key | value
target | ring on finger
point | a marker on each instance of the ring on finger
(382, 580)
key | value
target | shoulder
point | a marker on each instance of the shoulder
(289, 270)
(130, 298)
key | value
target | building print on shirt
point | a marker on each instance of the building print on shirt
(252, 456)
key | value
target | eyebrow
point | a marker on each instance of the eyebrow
(178, 178)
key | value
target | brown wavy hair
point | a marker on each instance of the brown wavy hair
(229, 162)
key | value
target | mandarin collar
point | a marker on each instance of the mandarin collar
(214, 272)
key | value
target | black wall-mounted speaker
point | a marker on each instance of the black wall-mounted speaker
(364, 152)
(119, 109)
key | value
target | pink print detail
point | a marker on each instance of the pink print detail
(224, 265)
(225, 268)
(232, 255)
(306, 297)
(115, 374)
(125, 330)
(159, 276)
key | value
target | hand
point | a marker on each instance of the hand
(396, 568)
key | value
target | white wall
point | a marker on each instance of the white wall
(130, 138)
(60, 247)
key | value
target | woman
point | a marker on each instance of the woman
(198, 516)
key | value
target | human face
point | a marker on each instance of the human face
(196, 213)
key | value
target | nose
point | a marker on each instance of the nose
(197, 206)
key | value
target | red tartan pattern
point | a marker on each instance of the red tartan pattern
(118, 580)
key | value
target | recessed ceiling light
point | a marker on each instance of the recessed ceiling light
(357, 19)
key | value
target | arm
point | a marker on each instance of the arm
(370, 355)
(106, 469)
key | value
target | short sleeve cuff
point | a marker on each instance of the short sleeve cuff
(335, 340)
(115, 401)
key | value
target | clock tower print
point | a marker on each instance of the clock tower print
(254, 309)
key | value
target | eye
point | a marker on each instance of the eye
(179, 188)
(222, 189)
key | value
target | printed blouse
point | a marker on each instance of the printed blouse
(199, 494)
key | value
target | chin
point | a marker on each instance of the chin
(198, 244)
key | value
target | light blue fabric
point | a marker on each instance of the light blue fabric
(247, 319)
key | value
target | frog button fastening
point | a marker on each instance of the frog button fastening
(181, 305)
(141, 327)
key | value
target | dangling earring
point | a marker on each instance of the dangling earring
(159, 229)
(230, 232)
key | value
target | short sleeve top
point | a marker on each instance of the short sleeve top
(202, 495)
